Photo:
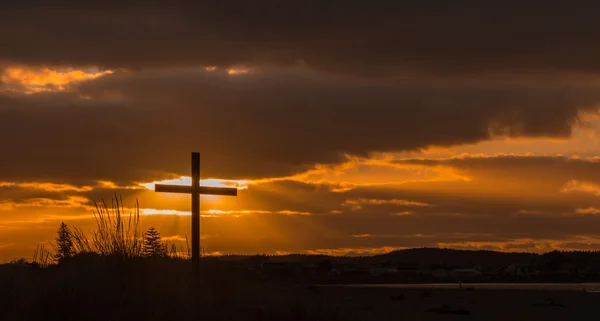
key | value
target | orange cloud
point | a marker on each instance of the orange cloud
(113, 185)
(48, 187)
(222, 253)
(392, 201)
(528, 245)
(238, 71)
(217, 213)
(70, 202)
(32, 80)
(176, 238)
(357, 203)
(404, 213)
(153, 211)
(588, 211)
(581, 186)
(381, 170)
(288, 212)
(361, 251)
(531, 212)
(354, 173)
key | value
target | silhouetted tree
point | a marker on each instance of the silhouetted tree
(64, 242)
(152, 244)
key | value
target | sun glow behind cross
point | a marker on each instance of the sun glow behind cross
(187, 181)
(214, 182)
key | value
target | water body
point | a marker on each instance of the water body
(589, 287)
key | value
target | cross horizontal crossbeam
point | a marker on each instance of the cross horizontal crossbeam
(206, 190)
(195, 191)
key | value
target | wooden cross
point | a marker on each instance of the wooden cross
(195, 190)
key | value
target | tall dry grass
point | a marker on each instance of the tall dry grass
(117, 234)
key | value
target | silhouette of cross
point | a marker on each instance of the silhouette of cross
(196, 190)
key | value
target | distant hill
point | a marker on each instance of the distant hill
(456, 257)
(449, 257)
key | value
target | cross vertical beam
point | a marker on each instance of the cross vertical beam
(196, 190)
(196, 210)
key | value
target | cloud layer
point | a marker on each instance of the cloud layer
(352, 37)
(128, 126)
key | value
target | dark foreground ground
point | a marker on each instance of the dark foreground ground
(456, 304)
(143, 290)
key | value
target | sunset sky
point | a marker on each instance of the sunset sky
(350, 128)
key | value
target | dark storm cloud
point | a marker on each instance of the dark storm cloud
(346, 36)
(135, 126)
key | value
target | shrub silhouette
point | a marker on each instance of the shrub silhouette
(64, 243)
(152, 246)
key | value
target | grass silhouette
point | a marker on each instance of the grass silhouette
(109, 278)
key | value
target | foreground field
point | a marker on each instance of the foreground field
(456, 304)
(168, 290)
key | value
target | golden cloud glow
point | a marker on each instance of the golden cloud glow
(222, 212)
(361, 251)
(238, 71)
(231, 71)
(581, 186)
(48, 187)
(369, 172)
(70, 202)
(113, 185)
(530, 212)
(222, 253)
(153, 211)
(33, 80)
(354, 173)
(392, 201)
(288, 212)
(528, 245)
(356, 204)
(404, 213)
(213, 182)
(362, 235)
(217, 213)
(588, 211)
